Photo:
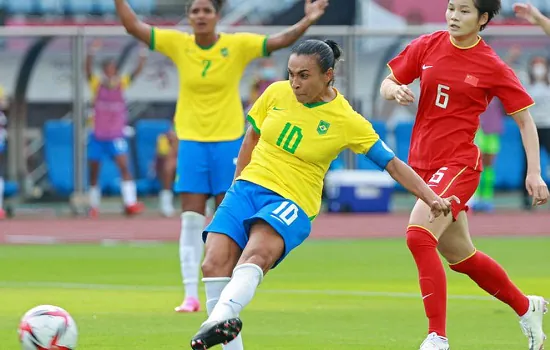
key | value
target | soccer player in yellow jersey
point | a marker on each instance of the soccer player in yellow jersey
(298, 128)
(209, 117)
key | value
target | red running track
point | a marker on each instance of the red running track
(82, 230)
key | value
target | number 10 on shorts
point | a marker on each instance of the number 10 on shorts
(286, 212)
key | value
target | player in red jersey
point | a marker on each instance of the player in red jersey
(459, 75)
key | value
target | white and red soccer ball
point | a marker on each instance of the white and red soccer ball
(47, 327)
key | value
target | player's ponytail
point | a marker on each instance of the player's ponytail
(335, 50)
(328, 52)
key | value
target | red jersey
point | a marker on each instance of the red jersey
(456, 86)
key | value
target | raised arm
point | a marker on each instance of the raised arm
(313, 11)
(89, 64)
(533, 15)
(135, 27)
(141, 63)
(409, 179)
(245, 154)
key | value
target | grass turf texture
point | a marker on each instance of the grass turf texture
(326, 295)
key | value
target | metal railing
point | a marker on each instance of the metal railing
(78, 34)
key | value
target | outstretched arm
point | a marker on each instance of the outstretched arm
(409, 179)
(313, 11)
(533, 15)
(383, 157)
(141, 63)
(89, 65)
(135, 27)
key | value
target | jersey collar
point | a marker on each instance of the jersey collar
(320, 103)
(208, 47)
(464, 48)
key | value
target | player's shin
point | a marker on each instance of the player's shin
(431, 274)
(191, 251)
(492, 278)
(238, 293)
(214, 287)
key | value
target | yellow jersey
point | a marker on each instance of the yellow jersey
(209, 107)
(299, 141)
(95, 81)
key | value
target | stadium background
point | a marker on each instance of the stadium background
(129, 273)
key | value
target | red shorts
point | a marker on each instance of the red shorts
(457, 180)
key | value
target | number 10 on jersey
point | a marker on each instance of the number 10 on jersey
(290, 133)
(442, 99)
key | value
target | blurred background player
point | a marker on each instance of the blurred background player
(167, 152)
(209, 116)
(488, 140)
(266, 75)
(297, 128)
(110, 117)
(443, 153)
(4, 103)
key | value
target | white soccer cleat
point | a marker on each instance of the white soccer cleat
(531, 322)
(435, 342)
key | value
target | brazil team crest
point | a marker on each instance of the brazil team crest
(224, 52)
(322, 128)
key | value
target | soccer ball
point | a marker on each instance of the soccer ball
(47, 327)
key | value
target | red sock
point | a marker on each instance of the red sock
(433, 283)
(492, 278)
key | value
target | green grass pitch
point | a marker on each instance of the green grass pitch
(327, 295)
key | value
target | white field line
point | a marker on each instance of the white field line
(337, 293)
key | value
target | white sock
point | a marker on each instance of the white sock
(214, 287)
(210, 207)
(95, 197)
(166, 198)
(1, 192)
(238, 293)
(129, 192)
(191, 250)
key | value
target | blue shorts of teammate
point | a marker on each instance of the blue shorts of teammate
(246, 203)
(98, 149)
(2, 146)
(206, 167)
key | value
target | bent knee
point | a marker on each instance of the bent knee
(263, 258)
(455, 255)
(217, 266)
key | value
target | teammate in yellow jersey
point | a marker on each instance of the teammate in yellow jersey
(209, 117)
(298, 128)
